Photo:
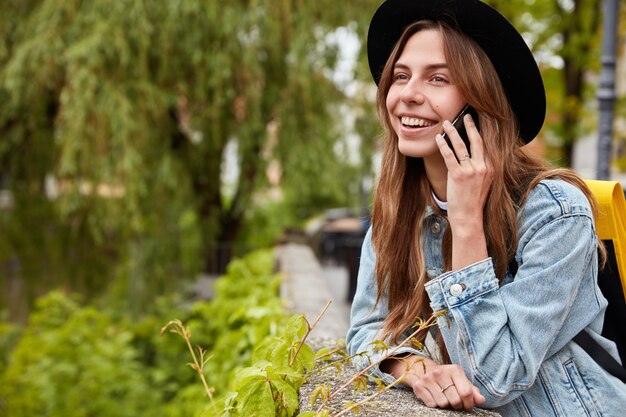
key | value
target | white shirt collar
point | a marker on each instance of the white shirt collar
(443, 205)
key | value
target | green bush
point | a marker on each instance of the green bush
(9, 335)
(245, 311)
(75, 362)
(79, 361)
(247, 308)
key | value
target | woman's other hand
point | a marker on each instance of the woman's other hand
(438, 386)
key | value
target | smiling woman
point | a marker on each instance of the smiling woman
(499, 245)
(421, 96)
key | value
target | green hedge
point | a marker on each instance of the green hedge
(74, 360)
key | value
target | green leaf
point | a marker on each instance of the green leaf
(281, 353)
(287, 371)
(256, 399)
(418, 323)
(360, 383)
(378, 345)
(380, 385)
(320, 392)
(418, 345)
(230, 399)
(323, 354)
(296, 326)
(244, 375)
(287, 396)
(306, 358)
(354, 408)
(264, 350)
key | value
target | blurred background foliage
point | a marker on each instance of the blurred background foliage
(75, 360)
(145, 142)
(137, 137)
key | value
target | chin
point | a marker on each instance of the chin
(415, 150)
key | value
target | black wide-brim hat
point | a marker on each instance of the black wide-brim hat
(505, 47)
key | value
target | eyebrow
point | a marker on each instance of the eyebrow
(430, 67)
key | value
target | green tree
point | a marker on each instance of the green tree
(565, 34)
(117, 116)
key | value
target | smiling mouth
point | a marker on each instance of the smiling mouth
(416, 122)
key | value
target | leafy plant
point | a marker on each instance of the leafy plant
(9, 335)
(75, 362)
(281, 364)
(270, 385)
(78, 361)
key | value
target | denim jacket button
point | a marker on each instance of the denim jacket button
(456, 290)
(435, 228)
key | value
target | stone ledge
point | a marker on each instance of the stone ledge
(390, 403)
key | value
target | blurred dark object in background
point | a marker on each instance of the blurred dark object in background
(337, 239)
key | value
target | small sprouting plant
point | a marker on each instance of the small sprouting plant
(270, 385)
(198, 354)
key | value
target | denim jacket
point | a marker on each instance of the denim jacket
(513, 338)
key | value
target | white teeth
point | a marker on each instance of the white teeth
(412, 121)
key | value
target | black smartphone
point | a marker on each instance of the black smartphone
(460, 126)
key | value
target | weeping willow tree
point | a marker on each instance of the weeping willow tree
(117, 116)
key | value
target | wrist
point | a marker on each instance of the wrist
(469, 245)
(408, 367)
(467, 228)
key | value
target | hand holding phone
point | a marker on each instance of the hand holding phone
(460, 126)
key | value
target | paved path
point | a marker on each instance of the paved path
(306, 289)
(336, 278)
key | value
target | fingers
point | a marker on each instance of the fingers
(462, 396)
(475, 139)
(447, 153)
(458, 161)
(478, 397)
(446, 386)
(458, 148)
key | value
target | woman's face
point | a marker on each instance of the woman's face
(422, 96)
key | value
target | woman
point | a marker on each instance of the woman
(499, 245)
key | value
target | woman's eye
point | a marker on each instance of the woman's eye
(400, 77)
(438, 79)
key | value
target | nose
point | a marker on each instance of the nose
(412, 92)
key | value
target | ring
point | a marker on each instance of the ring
(446, 387)
(464, 158)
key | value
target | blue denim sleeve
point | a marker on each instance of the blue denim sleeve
(367, 317)
(501, 334)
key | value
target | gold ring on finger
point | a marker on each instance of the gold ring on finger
(446, 387)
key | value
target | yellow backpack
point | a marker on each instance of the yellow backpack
(611, 229)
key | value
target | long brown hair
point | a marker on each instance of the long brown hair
(403, 191)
